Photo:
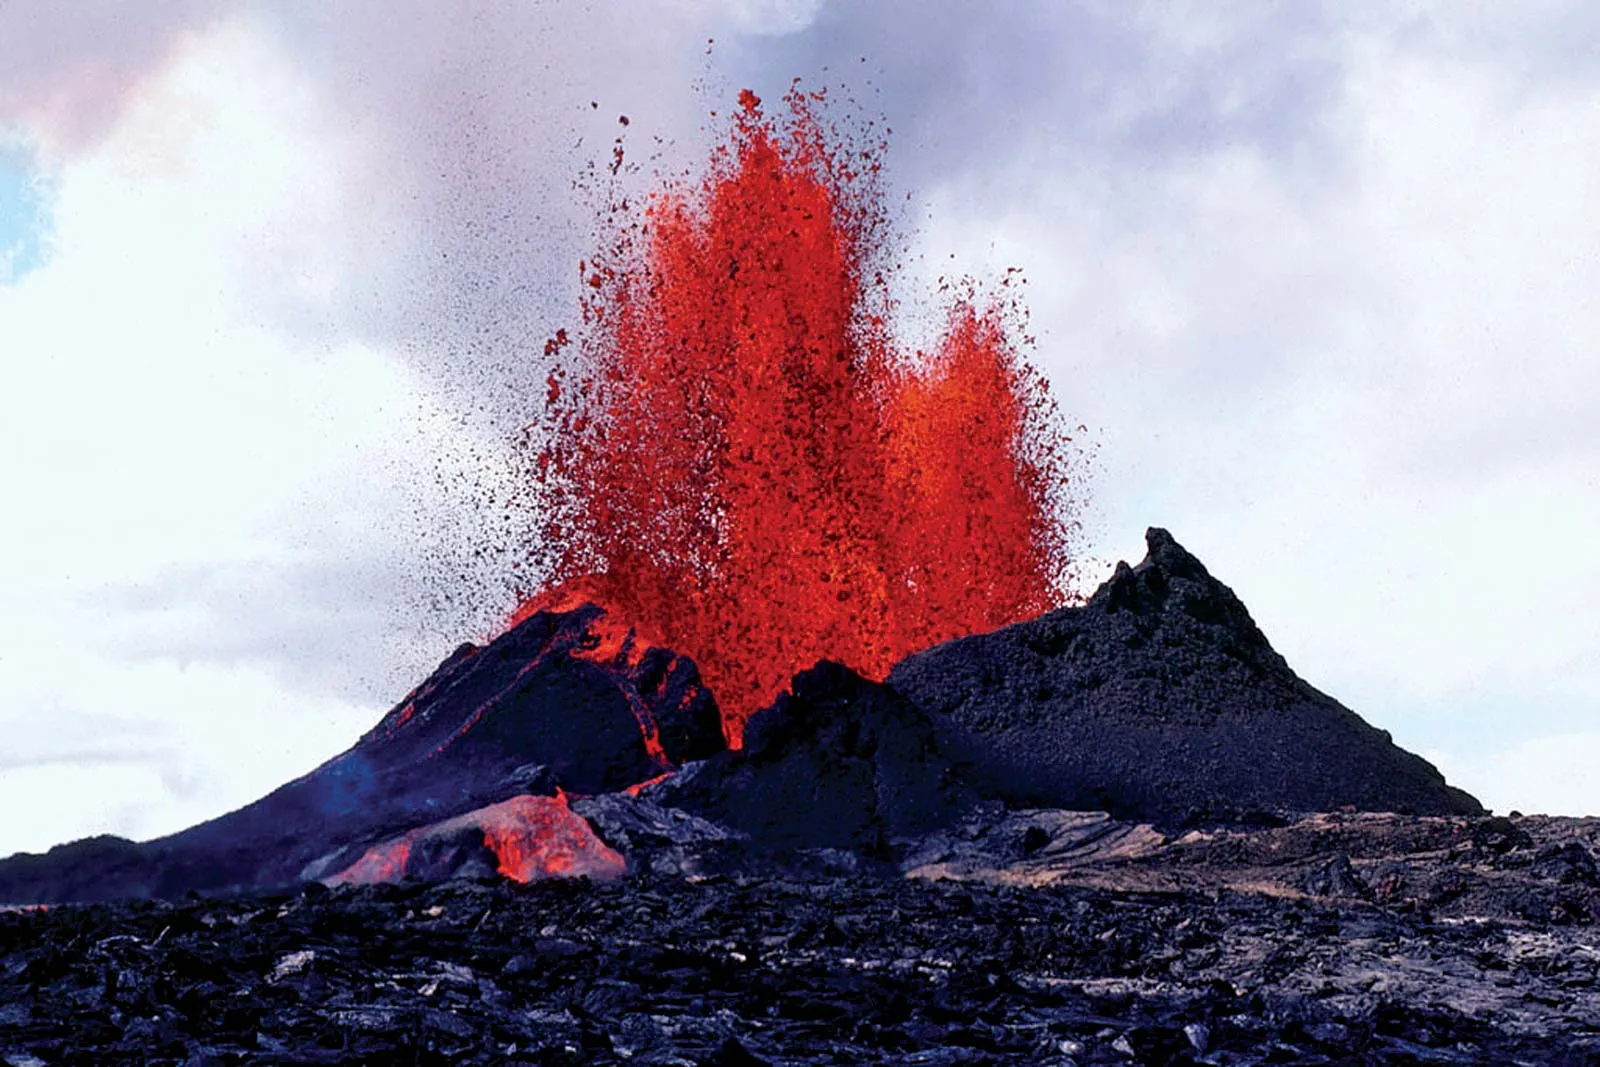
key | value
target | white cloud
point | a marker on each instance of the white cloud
(157, 422)
(144, 749)
(767, 16)
(1553, 775)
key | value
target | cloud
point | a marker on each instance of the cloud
(179, 745)
(1557, 774)
(66, 75)
(160, 419)
(25, 208)
(974, 91)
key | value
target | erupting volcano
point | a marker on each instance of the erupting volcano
(809, 758)
(740, 462)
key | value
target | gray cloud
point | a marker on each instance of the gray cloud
(326, 626)
(69, 71)
(975, 88)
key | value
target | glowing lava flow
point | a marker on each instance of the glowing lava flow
(741, 464)
(529, 837)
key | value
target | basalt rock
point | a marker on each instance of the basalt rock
(804, 970)
(838, 762)
(563, 699)
(1160, 699)
(660, 840)
(574, 691)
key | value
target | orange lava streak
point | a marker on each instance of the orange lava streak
(741, 463)
(531, 838)
(540, 837)
(384, 862)
(639, 787)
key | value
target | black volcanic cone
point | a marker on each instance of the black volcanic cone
(837, 762)
(1160, 699)
(558, 700)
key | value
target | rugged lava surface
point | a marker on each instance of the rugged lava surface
(1159, 699)
(773, 967)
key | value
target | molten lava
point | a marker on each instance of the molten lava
(527, 837)
(740, 462)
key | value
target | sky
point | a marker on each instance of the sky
(1320, 278)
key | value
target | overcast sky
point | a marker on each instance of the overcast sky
(1322, 278)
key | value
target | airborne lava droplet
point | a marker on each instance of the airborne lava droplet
(739, 460)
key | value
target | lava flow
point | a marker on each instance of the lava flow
(524, 838)
(740, 462)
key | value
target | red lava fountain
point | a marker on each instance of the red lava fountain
(741, 464)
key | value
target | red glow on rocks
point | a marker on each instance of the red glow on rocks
(540, 837)
(741, 462)
(385, 862)
(530, 837)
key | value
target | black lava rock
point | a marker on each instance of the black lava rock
(838, 762)
(795, 971)
(1159, 699)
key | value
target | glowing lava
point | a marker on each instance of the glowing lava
(528, 837)
(741, 463)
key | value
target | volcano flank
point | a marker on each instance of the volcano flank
(1160, 699)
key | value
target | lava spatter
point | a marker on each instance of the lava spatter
(739, 460)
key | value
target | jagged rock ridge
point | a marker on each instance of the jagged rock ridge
(1159, 699)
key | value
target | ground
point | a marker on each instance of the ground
(796, 966)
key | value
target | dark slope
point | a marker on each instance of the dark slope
(838, 762)
(562, 699)
(1159, 699)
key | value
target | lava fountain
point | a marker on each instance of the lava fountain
(738, 460)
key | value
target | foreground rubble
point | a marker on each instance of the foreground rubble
(779, 967)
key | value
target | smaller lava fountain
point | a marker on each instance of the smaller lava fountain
(741, 464)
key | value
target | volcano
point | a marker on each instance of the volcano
(793, 749)
(546, 854)
(1158, 701)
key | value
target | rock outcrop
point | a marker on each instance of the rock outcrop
(526, 838)
(1160, 699)
(838, 762)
